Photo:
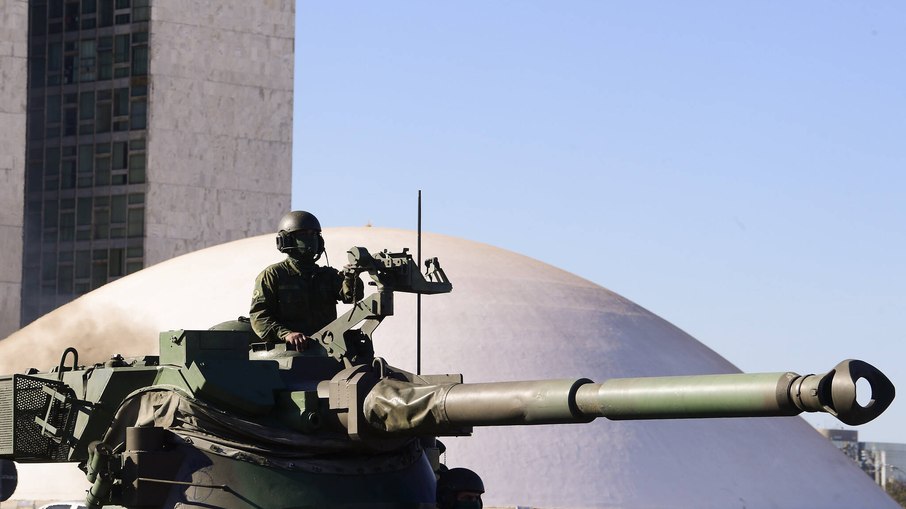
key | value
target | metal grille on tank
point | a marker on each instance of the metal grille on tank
(30, 401)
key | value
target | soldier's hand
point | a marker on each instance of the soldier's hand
(352, 270)
(296, 340)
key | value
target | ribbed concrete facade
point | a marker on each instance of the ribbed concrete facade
(154, 128)
(13, 76)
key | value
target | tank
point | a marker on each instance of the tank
(218, 419)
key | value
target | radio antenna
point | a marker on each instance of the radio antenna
(418, 296)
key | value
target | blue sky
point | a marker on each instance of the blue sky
(737, 168)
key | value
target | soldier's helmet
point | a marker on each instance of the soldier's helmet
(298, 220)
(454, 481)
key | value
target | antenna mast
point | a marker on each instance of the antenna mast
(418, 296)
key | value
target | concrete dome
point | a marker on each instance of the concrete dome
(509, 318)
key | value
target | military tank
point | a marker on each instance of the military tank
(218, 419)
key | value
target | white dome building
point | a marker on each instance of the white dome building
(509, 318)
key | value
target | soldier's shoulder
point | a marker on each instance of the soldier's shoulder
(275, 269)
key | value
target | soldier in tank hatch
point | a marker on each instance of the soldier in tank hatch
(296, 297)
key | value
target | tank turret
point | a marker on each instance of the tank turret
(221, 420)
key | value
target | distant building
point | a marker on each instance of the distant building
(847, 440)
(888, 460)
(883, 461)
(144, 130)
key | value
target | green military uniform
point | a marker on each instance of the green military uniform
(296, 296)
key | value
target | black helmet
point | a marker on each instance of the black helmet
(460, 479)
(298, 220)
(454, 481)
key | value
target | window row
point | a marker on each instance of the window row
(89, 112)
(55, 16)
(88, 60)
(78, 272)
(88, 165)
(91, 218)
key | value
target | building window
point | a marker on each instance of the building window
(117, 262)
(86, 105)
(134, 256)
(105, 58)
(67, 174)
(54, 57)
(102, 165)
(104, 118)
(140, 11)
(82, 264)
(52, 161)
(121, 102)
(138, 119)
(67, 226)
(137, 168)
(140, 60)
(70, 121)
(83, 211)
(136, 222)
(36, 126)
(105, 13)
(119, 155)
(105, 65)
(86, 166)
(118, 216)
(121, 49)
(86, 158)
(50, 214)
(101, 222)
(64, 279)
(67, 220)
(36, 76)
(98, 273)
(87, 60)
(56, 8)
(72, 17)
(83, 219)
(38, 18)
(48, 273)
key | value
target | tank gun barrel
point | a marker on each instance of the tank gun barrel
(741, 395)
(455, 406)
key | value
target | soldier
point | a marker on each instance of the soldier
(459, 488)
(296, 297)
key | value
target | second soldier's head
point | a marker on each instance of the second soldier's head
(299, 236)
(459, 488)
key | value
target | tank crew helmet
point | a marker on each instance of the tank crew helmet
(299, 236)
(459, 488)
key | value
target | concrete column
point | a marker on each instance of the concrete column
(220, 122)
(13, 89)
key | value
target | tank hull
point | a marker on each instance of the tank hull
(213, 481)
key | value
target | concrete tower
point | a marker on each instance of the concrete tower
(154, 129)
